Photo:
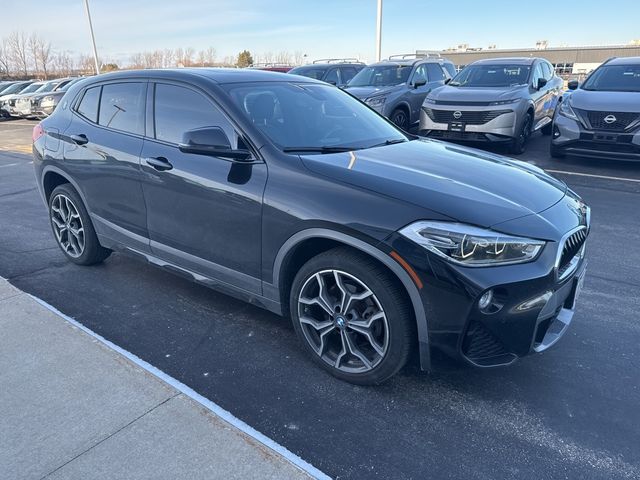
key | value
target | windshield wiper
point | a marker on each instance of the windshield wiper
(389, 142)
(319, 149)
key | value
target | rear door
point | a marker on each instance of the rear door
(102, 146)
(204, 213)
(540, 96)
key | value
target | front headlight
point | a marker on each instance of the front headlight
(375, 102)
(430, 100)
(505, 102)
(472, 246)
(566, 111)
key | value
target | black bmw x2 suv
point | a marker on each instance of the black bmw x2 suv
(293, 195)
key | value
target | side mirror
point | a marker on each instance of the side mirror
(573, 85)
(541, 83)
(332, 82)
(211, 141)
(419, 83)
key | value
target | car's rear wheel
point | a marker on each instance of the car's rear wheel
(400, 118)
(72, 227)
(519, 144)
(352, 316)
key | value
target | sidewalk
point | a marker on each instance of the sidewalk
(72, 408)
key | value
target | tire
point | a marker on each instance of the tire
(377, 313)
(547, 129)
(400, 118)
(72, 227)
(519, 144)
(556, 152)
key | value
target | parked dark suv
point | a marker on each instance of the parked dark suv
(336, 71)
(294, 196)
(601, 118)
(396, 87)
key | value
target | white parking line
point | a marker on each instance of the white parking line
(606, 177)
(9, 165)
(189, 392)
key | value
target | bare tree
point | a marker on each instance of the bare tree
(86, 64)
(283, 57)
(298, 57)
(17, 45)
(42, 55)
(5, 62)
(32, 43)
(62, 64)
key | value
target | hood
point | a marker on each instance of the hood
(464, 184)
(482, 95)
(606, 101)
(366, 92)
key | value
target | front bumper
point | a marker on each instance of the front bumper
(467, 123)
(533, 303)
(571, 138)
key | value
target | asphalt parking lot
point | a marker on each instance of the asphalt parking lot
(570, 413)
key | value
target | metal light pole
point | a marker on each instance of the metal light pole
(379, 32)
(93, 38)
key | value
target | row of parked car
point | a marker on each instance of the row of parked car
(501, 100)
(32, 99)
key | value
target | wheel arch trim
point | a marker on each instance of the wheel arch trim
(401, 274)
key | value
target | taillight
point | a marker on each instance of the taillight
(38, 131)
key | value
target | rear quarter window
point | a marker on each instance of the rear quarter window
(88, 106)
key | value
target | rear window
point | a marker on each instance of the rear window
(122, 107)
(88, 107)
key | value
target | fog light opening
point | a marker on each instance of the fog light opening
(485, 300)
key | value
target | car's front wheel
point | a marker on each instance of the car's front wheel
(72, 227)
(400, 118)
(519, 143)
(352, 316)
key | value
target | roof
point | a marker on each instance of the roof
(218, 75)
(506, 61)
(624, 61)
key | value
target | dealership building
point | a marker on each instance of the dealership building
(566, 60)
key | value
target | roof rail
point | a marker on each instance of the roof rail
(271, 64)
(337, 60)
(407, 56)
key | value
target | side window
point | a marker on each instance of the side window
(347, 74)
(332, 77)
(122, 107)
(420, 74)
(435, 72)
(537, 73)
(88, 107)
(546, 70)
(178, 109)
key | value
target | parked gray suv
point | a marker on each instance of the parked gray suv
(601, 118)
(397, 87)
(494, 100)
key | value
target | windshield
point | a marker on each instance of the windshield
(308, 117)
(381, 76)
(32, 88)
(47, 87)
(614, 78)
(491, 76)
(311, 72)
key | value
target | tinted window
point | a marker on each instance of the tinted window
(347, 73)
(381, 75)
(311, 72)
(491, 76)
(122, 107)
(332, 77)
(178, 109)
(614, 78)
(88, 107)
(311, 116)
(435, 72)
(537, 73)
(547, 71)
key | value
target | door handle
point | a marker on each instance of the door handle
(159, 163)
(80, 139)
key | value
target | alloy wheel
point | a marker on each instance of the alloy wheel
(343, 321)
(67, 225)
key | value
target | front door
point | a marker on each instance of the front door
(203, 213)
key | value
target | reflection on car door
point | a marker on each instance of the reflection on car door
(539, 97)
(204, 213)
(417, 95)
(102, 147)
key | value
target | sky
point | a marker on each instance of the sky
(319, 28)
